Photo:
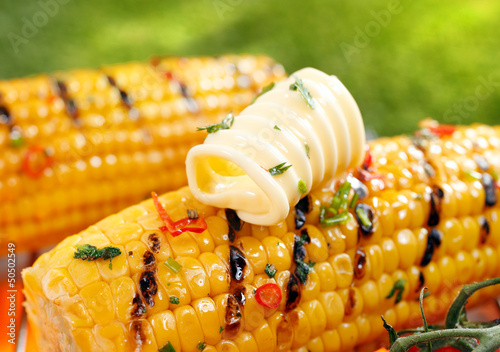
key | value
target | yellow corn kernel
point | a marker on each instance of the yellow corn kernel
(227, 346)
(277, 253)
(334, 308)
(58, 282)
(119, 266)
(254, 252)
(278, 230)
(335, 240)
(83, 272)
(390, 254)
(165, 329)
(312, 287)
(217, 273)
(135, 255)
(326, 276)
(316, 345)
(331, 340)
(301, 327)
(433, 277)
(353, 302)
(344, 272)
(189, 328)
(246, 342)
(174, 285)
(348, 335)
(316, 315)
(254, 312)
(123, 291)
(144, 335)
(78, 314)
(406, 244)
(184, 245)
(195, 277)
(99, 302)
(370, 295)
(265, 338)
(111, 336)
(209, 318)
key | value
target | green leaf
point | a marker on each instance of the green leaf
(399, 286)
(279, 169)
(299, 85)
(393, 336)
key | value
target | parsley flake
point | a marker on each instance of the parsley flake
(279, 169)
(307, 150)
(277, 128)
(264, 90)
(302, 186)
(270, 270)
(174, 300)
(167, 348)
(224, 125)
(299, 85)
(201, 346)
(89, 252)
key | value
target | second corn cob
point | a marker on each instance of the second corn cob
(79, 145)
(425, 213)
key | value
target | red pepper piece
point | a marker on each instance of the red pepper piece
(28, 160)
(268, 295)
(367, 162)
(178, 227)
(443, 130)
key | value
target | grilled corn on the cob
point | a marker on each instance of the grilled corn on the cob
(425, 213)
(77, 146)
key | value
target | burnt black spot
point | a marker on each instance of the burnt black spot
(139, 308)
(305, 205)
(359, 264)
(232, 318)
(433, 241)
(130, 253)
(237, 263)
(233, 220)
(149, 261)
(293, 293)
(230, 235)
(154, 243)
(365, 230)
(429, 170)
(138, 334)
(351, 302)
(148, 287)
(484, 230)
(239, 294)
(437, 195)
(111, 81)
(299, 252)
(358, 187)
(489, 189)
(125, 98)
(481, 162)
(300, 218)
(421, 281)
(304, 237)
(4, 115)
(63, 90)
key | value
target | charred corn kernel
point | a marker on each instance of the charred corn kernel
(301, 327)
(344, 272)
(277, 253)
(101, 124)
(331, 285)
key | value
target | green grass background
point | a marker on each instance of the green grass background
(424, 62)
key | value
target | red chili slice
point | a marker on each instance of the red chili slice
(443, 130)
(28, 161)
(178, 227)
(367, 162)
(268, 295)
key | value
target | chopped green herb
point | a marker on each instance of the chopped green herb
(307, 150)
(363, 217)
(399, 287)
(167, 348)
(303, 239)
(302, 187)
(303, 269)
(418, 196)
(264, 90)
(270, 270)
(221, 329)
(334, 220)
(173, 265)
(16, 139)
(277, 244)
(279, 169)
(238, 315)
(354, 199)
(277, 128)
(341, 199)
(226, 124)
(254, 290)
(473, 175)
(174, 300)
(299, 85)
(89, 252)
(495, 175)
(201, 346)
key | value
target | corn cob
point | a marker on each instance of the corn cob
(77, 146)
(422, 211)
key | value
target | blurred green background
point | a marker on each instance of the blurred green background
(402, 60)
